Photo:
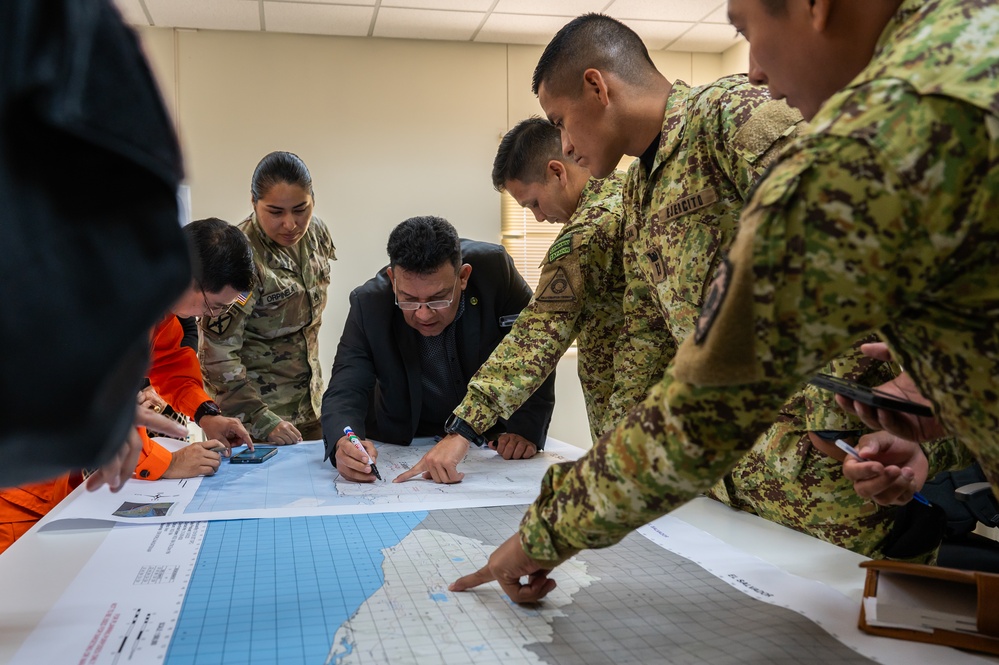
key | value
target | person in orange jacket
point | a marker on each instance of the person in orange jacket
(222, 265)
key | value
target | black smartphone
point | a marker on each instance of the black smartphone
(255, 456)
(869, 396)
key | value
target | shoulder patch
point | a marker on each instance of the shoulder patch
(561, 247)
(218, 325)
(558, 288)
(772, 120)
(713, 301)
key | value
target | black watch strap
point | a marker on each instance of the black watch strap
(456, 425)
(208, 408)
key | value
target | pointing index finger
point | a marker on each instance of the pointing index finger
(481, 576)
(406, 475)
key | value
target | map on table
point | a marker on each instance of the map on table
(298, 482)
(372, 588)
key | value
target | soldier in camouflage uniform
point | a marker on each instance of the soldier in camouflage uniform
(581, 287)
(261, 358)
(682, 201)
(882, 216)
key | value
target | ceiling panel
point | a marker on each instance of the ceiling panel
(658, 34)
(676, 25)
(132, 12)
(520, 29)
(719, 15)
(317, 19)
(207, 14)
(426, 24)
(706, 38)
(570, 8)
(453, 5)
(660, 10)
(343, 3)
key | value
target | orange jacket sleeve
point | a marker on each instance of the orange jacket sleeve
(21, 507)
(153, 460)
(174, 371)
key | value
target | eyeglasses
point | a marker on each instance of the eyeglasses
(433, 304)
(223, 309)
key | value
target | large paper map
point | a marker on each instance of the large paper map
(372, 588)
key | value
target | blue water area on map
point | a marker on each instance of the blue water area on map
(282, 480)
(277, 590)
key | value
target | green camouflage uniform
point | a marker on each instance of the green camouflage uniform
(578, 296)
(717, 140)
(883, 216)
(261, 359)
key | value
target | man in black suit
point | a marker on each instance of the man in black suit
(415, 335)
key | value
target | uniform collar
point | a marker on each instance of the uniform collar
(902, 15)
(673, 122)
(594, 191)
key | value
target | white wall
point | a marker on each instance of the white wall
(389, 129)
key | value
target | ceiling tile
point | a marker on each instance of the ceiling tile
(426, 24)
(570, 8)
(706, 38)
(298, 17)
(132, 12)
(345, 3)
(453, 5)
(520, 29)
(657, 10)
(657, 34)
(206, 14)
(719, 15)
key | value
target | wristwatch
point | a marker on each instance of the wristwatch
(456, 425)
(207, 408)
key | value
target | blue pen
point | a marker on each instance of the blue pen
(357, 444)
(850, 450)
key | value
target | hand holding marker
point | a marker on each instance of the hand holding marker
(852, 452)
(357, 444)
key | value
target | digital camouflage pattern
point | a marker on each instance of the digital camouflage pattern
(579, 298)
(882, 216)
(261, 359)
(716, 143)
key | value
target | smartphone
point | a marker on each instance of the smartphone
(869, 396)
(255, 456)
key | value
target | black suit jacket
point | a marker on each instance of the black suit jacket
(375, 385)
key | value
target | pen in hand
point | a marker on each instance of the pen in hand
(852, 452)
(357, 444)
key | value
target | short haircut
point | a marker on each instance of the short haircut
(278, 167)
(221, 255)
(592, 41)
(525, 151)
(421, 245)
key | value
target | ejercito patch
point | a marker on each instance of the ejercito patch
(688, 204)
(558, 288)
(713, 301)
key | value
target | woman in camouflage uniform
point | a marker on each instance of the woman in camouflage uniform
(261, 357)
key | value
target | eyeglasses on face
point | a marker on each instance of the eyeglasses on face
(210, 310)
(408, 306)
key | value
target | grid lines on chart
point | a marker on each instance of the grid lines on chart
(270, 591)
